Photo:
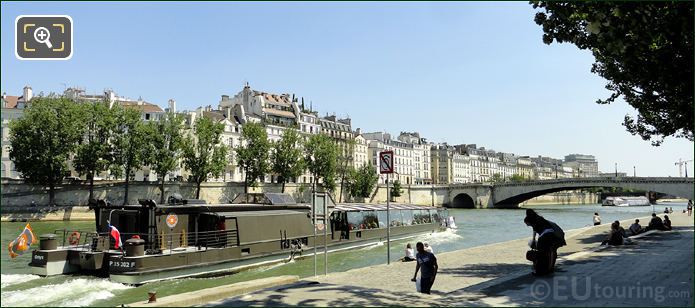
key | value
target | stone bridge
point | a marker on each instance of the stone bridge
(510, 195)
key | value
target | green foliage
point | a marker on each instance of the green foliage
(286, 157)
(396, 189)
(130, 147)
(361, 182)
(94, 153)
(517, 178)
(321, 159)
(252, 154)
(496, 178)
(165, 142)
(44, 138)
(203, 153)
(644, 50)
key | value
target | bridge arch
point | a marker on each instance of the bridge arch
(463, 200)
(511, 195)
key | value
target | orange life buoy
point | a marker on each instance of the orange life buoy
(74, 238)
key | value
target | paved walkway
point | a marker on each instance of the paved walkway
(496, 274)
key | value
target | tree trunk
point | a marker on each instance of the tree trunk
(91, 186)
(127, 183)
(51, 194)
(246, 181)
(161, 191)
(197, 192)
(283, 185)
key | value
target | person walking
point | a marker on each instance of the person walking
(427, 263)
(597, 219)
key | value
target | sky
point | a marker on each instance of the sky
(454, 72)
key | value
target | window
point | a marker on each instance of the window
(355, 220)
(407, 217)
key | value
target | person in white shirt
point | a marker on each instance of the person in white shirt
(409, 253)
(597, 219)
(428, 248)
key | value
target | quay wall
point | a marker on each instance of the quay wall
(19, 194)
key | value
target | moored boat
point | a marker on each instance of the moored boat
(189, 238)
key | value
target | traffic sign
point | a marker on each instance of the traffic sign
(386, 162)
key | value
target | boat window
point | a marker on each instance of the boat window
(427, 216)
(435, 216)
(407, 217)
(370, 220)
(355, 220)
(396, 218)
(381, 215)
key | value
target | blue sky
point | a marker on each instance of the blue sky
(457, 72)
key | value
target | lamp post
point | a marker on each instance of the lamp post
(616, 170)
(634, 171)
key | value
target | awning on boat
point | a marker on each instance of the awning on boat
(260, 213)
(379, 207)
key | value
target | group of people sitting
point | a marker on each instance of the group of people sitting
(618, 235)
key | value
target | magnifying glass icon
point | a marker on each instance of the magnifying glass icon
(42, 35)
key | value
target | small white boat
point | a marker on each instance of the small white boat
(626, 201)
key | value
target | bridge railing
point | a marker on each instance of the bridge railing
(593, 180)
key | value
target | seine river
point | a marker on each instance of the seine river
(476, 227)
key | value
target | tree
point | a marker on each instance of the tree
(94, 153)
(129, 144)
(42, 140)
(496, 178)
(361, 182)
(203, 153)
(321, 159)
(252, 153)
(396, 189)
(345, 160)
(517, 178)
(165, 146)
(644, 50)
(287, 157)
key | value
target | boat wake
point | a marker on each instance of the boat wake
(372, 246)
(7, 280)
(441, 237)
(75, 292)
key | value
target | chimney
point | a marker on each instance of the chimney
(225, 98)
(140, 101)
(358, 131)
(172, 105)
(208, 108)
(28, 93)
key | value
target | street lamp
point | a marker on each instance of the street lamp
(616, 170)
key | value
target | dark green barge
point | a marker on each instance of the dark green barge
(188, 238)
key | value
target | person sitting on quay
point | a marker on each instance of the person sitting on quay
(550, 238)
(597, 219)
(428, 248)
(665, 210)
(655, 224)
(616, 236)
(667, 223)
(670, 210)
(635, 228)
(409, 253)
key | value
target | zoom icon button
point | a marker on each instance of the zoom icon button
(43, 37)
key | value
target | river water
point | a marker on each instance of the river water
(476, 227)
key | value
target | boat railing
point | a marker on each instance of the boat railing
(154, 243)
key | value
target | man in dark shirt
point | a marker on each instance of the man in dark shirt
(656, 223)
(428, 263)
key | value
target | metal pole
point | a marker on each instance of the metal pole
(325, 234)
(388, 218)
(313, 210)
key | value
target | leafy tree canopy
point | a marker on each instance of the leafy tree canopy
(287, 156)
(44, 138)
(203, 153)
(643, 49)
(252, 155)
